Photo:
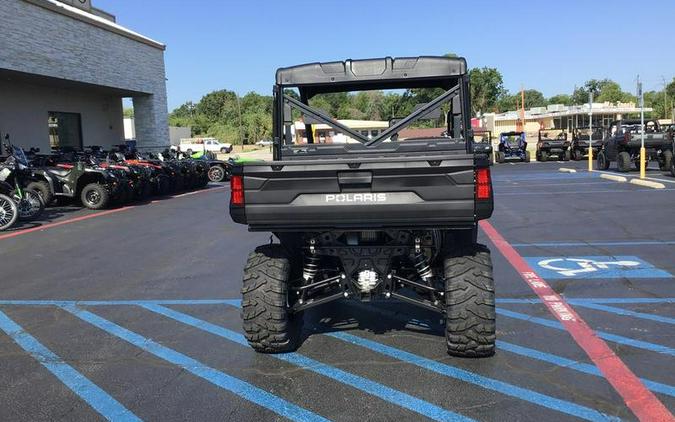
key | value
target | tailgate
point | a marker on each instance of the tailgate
(433, 191)
(652, 140)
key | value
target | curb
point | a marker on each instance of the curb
(648, 183)
(613, 177)
(567, 170)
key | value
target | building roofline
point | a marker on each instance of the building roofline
(84, 16)
(569, 111)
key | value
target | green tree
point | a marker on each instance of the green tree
(128, 112)
(603, 90)
(533, 98)
(560, 99)
(487, 87)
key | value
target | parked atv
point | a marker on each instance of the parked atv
(68, 176)
(553, 142)
(513, 144)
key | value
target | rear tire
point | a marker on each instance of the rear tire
(567, 155)
(543, 156)
(603, 163)
(667, 161)
(500, 157)
(470, 328)
(43, 189)
(623, 162)
(94, 196)
(577, 155)
(269, 327)
(527, 156)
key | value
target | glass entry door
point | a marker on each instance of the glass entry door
(65, 130)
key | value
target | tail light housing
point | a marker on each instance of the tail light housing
(626, 137)
(483, 184)
(237, 190)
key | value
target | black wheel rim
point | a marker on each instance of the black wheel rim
(93, 197)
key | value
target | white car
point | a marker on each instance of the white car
(264, 143)
(190, 145)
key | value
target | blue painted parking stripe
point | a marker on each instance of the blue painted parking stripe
(627, 312)
(370, 387)
(92, 394)
(220, 379)
(524, 351)
(607, 336)
(470, 377)
(473, 378)
(232, 302)
(577, 366)
(581, 244)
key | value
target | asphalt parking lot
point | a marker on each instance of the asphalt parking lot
(132, 314)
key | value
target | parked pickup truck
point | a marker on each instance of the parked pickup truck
(623, 141)
(190, 145)
(382, 219)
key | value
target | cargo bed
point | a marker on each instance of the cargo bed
(361, 193)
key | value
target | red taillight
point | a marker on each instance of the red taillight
(483, 190)
(626, 137)
(237, 187)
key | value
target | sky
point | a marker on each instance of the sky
(549, 46)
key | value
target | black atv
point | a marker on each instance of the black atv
(69, 177)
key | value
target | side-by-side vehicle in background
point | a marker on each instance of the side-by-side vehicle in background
(553, 142)
(482, 143)
(581, 138)
(512, 145)
(623, 142)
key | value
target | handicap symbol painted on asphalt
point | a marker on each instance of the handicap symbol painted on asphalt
(557, 267)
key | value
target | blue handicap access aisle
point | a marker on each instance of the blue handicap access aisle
(113, 409)
(594, 267)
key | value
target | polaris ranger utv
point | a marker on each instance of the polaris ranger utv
(373, 218)
(512, 144)
(623, 144)
(553, 142)
(581, 137)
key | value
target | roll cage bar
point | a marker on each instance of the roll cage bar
(372, 74)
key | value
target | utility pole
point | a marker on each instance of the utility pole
(665, 98)
(241, 134)
(590, 131)
(642, 128)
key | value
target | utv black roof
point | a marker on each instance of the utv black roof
(511, 133)
(372, 74)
